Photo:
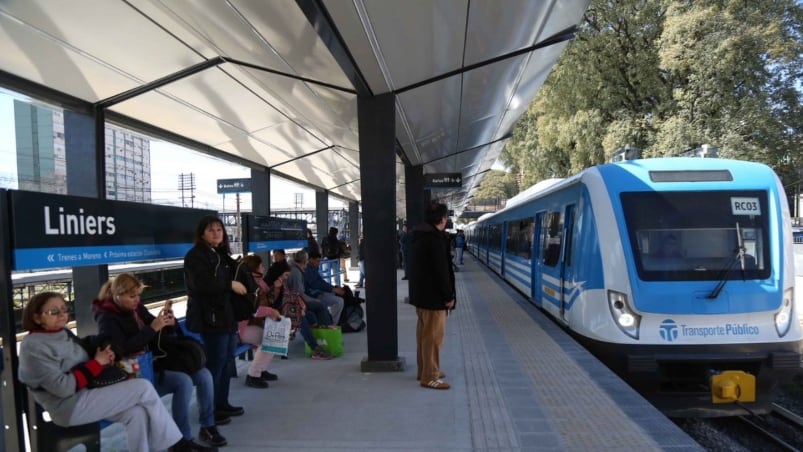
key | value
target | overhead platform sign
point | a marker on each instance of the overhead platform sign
(264, 233)
(233, 186)
(443, 180)
(52, 231)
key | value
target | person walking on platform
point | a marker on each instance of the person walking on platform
(132, 329)
(58, 368)
(432, 292)
(404, 247)
(209, 276)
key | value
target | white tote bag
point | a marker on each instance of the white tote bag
(276, 336)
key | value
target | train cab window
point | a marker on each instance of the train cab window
(554, 228)
(698, 235)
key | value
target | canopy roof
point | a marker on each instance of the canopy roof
(275, 83)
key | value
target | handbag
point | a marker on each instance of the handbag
(330, 338)
(108, 376)
(243, 306)
(293, 308)
(138, 365)
(276, 336)
(178, 353)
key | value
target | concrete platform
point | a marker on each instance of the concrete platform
(519, 383)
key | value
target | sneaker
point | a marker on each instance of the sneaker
(210, 435)
(228, 410)
(320, 354)
(221, 419)
(255, 382)
(267, 376)
(188, 445)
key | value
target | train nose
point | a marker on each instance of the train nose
(731, 386)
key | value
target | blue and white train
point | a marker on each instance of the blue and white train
(677, 273)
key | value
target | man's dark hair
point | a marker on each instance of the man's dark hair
(314, 255)
(435, 212)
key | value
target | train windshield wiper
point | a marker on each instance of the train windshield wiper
(724, 275)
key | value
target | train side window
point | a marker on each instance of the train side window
(554, 228)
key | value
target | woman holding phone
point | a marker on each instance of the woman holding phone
(133, 329)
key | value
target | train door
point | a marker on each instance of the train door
(566, 270)
(537, 260)
(503, 248)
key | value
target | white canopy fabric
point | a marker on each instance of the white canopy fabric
(276, 82)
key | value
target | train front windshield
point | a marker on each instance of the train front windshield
(703, 235)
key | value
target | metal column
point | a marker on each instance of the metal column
(377, 115)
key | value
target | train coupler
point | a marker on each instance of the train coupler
(733, 386)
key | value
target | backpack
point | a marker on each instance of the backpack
(351, 321)
(330, 247)
(179, 353)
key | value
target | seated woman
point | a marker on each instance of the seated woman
(57, 369)
(277, 275)
(132, 329)
(251, 330)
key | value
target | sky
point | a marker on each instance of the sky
(168, 161)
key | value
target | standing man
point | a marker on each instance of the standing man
(404, 246)
(432, 292)
(459, 245)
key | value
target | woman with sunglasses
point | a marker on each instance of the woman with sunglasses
(58, 370)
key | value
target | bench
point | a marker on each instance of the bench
(243, 351)
(45, 435)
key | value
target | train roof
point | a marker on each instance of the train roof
(640, 168)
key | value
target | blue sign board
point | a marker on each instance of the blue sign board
(56, 231)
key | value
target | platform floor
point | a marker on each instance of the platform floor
(519, 383)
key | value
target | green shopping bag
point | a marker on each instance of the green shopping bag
(331, 339)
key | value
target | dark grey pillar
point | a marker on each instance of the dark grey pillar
(377, 130)
(260, 200)
(415, 195)
(354, 231)
(12, 436)
(321, 215)
(84, 143)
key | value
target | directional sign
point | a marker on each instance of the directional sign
(443, 180)
(233, 186)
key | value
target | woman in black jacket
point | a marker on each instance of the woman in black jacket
(208, 274)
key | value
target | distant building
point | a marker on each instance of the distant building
(42, 163)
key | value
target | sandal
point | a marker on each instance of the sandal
(436, 384)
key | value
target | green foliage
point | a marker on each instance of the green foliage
(667, 76)
(496, 185)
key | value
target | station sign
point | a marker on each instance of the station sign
(264, 233)
(56, 231)
(443, 180)
(233, 186)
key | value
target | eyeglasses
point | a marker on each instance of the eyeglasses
(57, 311)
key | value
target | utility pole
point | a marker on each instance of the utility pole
(186, 183)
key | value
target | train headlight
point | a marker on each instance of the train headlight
(783, 318)
(627, 320)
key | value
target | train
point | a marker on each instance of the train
(677, 273)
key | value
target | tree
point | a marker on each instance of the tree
(667, 76)
(496, 185)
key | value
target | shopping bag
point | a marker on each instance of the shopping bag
(138, 365)
(276, 336)
(330, 338)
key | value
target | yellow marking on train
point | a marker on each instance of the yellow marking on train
(549, 291)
